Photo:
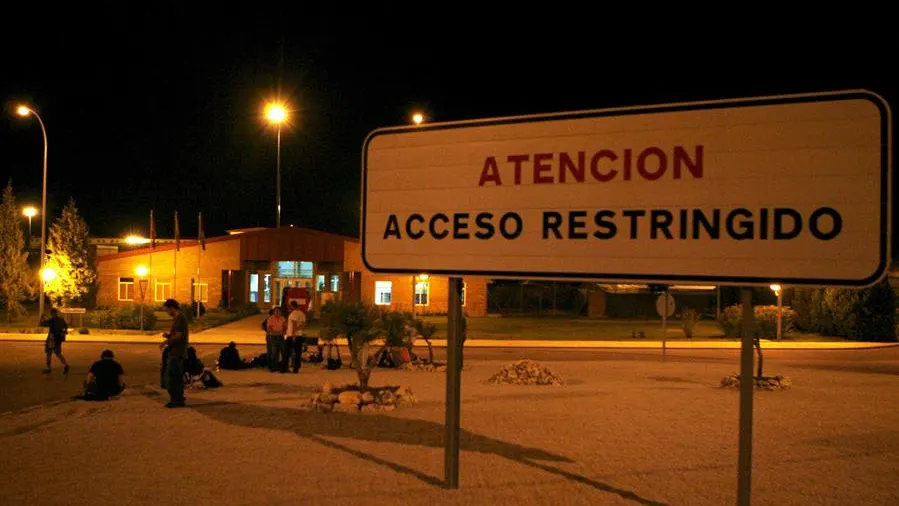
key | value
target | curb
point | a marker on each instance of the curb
(487, 343)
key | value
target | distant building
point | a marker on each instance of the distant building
(254, 265)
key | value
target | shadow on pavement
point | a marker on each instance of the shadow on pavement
(381, 428)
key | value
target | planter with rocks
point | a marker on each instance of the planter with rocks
(349, 399)
(526, 372)
(770, 383)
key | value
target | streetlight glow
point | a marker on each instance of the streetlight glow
(136, 239)
(418, 118)
(142, 271)
(275, 113)
(48, 274)
(23, 111)
(775, 288)
(30, 211)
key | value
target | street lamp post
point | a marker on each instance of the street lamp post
(778, 290)
(277, 114)
(25, 111)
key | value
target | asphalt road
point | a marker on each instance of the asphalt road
(22, 384)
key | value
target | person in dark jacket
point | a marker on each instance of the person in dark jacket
(229, 358)
(104, 380)
(197, 372)
(55, 337)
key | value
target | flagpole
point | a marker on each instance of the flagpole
(175, 259)
(201, 244)
(152, 247)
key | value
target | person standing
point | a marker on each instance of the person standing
(55, 337)
(176, 340)
(296, 322)
(270, 349)
(274, 328)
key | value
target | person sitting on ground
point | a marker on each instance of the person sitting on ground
(195, 372)
(229, 358)
(104, 380)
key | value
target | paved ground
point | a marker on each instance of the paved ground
(23, 384)
(627, 429)
(248, 331)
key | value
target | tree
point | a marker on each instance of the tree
(16, 280)
(426, 331)
(69, 257)
(361, 324)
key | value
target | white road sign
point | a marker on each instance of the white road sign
(789, 189)
(665, 305)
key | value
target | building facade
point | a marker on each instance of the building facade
(427, 294)
(255, 265)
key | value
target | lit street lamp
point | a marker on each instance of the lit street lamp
(47, 275)
(29, 212)
(417, 118)
(133, 240)
(778, 290)
(142, 271)
(276, 114)
(23, 110)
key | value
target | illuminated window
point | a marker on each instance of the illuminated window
(305, 269)
(422, 288)
(162, 291)
(320, 283)
(126, 288)
(254, 288)
(383, 292)
(201, 292)
(335, 282)
(267, 288)
(464, 289)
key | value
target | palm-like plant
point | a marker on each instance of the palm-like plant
(426, 331)
(361, 324)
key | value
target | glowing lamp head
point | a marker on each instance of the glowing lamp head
(23, 110)
(142, 270)
(417, 118)
(275, 113)
(422, 277)
(30, 212)
(775, 288)
(136, 239)
(48, 274)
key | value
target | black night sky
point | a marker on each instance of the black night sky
(158, 106)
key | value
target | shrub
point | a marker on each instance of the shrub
(248, 309)
(862, 315)
(126, 317)
(84, 330)
(688, 319)
(731, 321)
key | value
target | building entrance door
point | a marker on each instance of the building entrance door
(279, 284)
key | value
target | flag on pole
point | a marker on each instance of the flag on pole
(177, 234)
(152, 231)
(202, 235)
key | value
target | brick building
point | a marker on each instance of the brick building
(254, 265)
(397, 290)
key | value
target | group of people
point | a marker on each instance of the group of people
(284, 345)
(284, 339)
(104, 378)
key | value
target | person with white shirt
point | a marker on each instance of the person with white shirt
(296, 323)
